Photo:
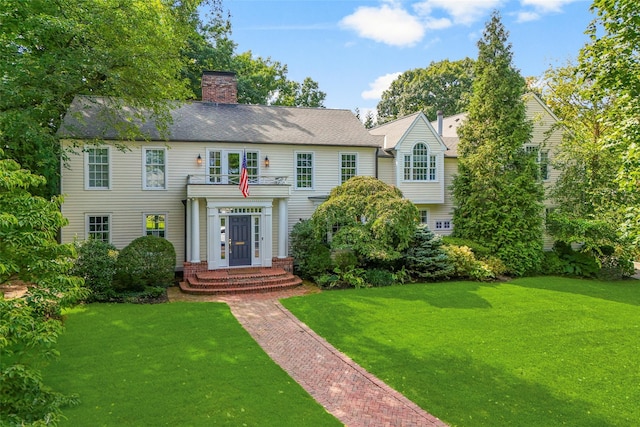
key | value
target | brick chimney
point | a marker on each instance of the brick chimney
(220, 87)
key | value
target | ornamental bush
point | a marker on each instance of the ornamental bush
(96, 264)
(147, 261)
(465, 264)
(425, 259)
(312, 257)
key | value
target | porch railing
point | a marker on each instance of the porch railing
(235, 180)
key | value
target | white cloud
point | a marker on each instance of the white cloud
(546, 6)
(463, 12)
(389, 24)
(438, 23)
(380, 84)
(527, 16)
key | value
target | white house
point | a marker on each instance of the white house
(184, 186)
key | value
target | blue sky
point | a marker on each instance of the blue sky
(355, 48)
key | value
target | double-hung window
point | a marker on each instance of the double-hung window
(304, 170)
(98, 227)
(542, 158)
(97, 168)
(420, 165)
(154, 175)
(155, 225)
(348, 166)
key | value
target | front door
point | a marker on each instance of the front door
(239, 240)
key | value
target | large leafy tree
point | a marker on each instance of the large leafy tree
(497, 191)
(54, 50)
(611, 62)
(29, 326)
(369, 217)
(444, 85)
(586, 161)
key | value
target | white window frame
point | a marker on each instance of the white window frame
(530, 148)
(88, 233)
(223, 157)
(145, 230)
(145, 185)
(343, 168)
(87, 174)
(424, 216)
(444, 224)
(313, 169)
(409, 168)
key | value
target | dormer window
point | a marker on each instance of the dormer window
(420, 165)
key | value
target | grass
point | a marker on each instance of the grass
(532, 352)
(185, 364)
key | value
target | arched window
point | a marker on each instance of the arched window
(420, 165)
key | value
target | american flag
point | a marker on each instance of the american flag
(244, 177)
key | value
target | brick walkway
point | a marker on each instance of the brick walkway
(347, 391)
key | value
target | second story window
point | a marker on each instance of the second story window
(542, 158)
(348, 166)
(420, 165)
(304, 170)
(154, 173)
(97, 168)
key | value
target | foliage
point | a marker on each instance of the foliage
(425, 259)
(576, 263)
(96, 264)
(611, 61)
(54, 50)
(377, 277)
(312, 257)
(444, 86)
(368, 217)
(478, 250)
(146, 261)
(497, 191)
(513, 353)
(30, 326)
(465, 265)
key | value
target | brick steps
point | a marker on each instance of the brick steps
(237, 281)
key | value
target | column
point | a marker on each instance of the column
(195, 230)
(283, 228)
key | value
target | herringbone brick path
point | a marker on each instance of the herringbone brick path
(350, 393)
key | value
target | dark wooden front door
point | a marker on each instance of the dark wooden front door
(240, 240)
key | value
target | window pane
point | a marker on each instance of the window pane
(154, 168)
(252, 165)
(215, 166)
(407, 167)
(347, 166)
(99, 228)
(420, 162)
(98, 167)
(155, 225)
(304, 170)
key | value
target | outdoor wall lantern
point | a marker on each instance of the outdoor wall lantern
(199, 160)
(266, 161)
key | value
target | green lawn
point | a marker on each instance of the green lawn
(178, 364)
(532, 352)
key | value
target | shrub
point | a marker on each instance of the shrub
(147, 261)
(312, 258)
(576, 263)
(96, 264)
(465, 264)
(551, 263)
(480, 251)
(425, 258)
(377, 277)
(344, 259)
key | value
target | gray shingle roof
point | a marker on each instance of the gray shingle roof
(210, 122)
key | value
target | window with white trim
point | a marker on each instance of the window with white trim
(542, 159)
(424, 216)
(443, 225)
(420, 165)
(154, 175)
(98, 227)
(97, 168)
(348, 166)
(304, 170)
(155, 225)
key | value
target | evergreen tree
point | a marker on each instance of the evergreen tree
(497, 191)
